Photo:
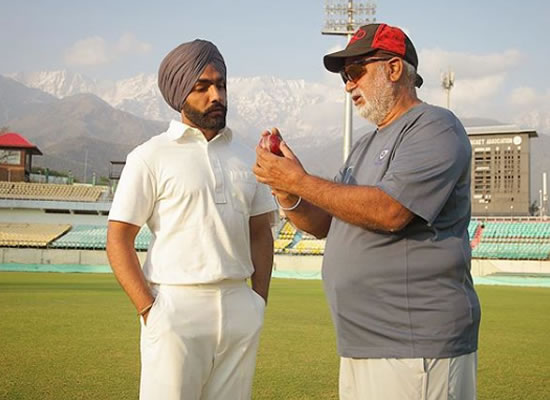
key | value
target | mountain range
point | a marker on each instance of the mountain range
(81, 124)
(308, 115)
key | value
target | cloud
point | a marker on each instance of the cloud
(467, 65)
(90, 51)
(479, 80)
(97, 51)
(525, 97)
(467, 95)
(129, 44)
(530, 107)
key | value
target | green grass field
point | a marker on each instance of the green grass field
(75, 336)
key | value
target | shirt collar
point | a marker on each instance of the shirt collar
(178, 129)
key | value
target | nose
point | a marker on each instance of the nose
(216, 94)
(350, 85)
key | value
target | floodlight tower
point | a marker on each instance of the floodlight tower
(343, 17)
(448, 81)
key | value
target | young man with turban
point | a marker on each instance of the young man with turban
(210, 219)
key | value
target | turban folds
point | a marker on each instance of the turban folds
(182, 67)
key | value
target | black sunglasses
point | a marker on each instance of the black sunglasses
(355, 70)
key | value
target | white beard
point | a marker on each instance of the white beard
(379, 105)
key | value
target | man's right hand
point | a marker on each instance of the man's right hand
(280, 173)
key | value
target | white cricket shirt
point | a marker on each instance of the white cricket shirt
(196, 198)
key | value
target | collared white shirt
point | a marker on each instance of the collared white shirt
(196, 198)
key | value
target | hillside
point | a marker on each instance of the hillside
(82, 121)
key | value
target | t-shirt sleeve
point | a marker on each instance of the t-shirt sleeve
(263, 201)
(135, 194)
(339, 177)
(426, 166)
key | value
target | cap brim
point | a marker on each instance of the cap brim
(334, 62)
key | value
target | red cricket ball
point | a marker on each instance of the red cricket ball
(272, 142)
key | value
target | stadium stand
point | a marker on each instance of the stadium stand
(516, 240)
(498, 239)
(539, 230)
(512, 251)
(472, 228)
(287, 231)
(286, 237)
(310, 246)
(306, 244)
(30, 235)
(94, 237)
(143, 238)
(513, 240)
(474, 232)
(280, 245)
(49, 191)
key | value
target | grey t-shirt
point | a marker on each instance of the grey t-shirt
(407, 294)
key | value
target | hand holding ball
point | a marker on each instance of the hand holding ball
(272, 142)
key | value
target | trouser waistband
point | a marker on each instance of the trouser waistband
(225, 283)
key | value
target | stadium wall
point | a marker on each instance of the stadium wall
(285, 262)
(39, 216)
(282, 262)
(56, 256)
(492, 266)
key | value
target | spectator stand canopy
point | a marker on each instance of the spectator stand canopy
(16, 157)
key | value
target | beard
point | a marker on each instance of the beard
(205, 120)
(377, 107)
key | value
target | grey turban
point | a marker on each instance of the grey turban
(182, 67)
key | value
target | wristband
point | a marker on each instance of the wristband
(289, 208)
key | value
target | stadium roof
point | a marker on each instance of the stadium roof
(16, 141)
(500, 130)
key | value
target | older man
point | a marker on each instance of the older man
(396, 267)
(210, 219)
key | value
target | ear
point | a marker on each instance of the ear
(396, 69)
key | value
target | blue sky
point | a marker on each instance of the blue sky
(497, 49)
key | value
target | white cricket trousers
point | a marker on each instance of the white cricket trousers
(200, 342)
(408, 378)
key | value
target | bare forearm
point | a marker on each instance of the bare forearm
(306, 217)
(127, 270)
(261, 249)
(364, 206)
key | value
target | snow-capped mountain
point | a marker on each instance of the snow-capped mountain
(57, 83)
(299, 107)
(304, 111)
(138, 95)
(309, 115)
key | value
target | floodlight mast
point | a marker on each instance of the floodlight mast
(448, 81)
(544, 198)
(342, 18)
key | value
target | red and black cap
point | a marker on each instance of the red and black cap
(375, 38)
